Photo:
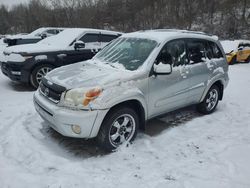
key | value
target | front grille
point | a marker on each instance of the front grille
(51, 91)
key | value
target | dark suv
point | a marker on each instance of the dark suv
(29, 63)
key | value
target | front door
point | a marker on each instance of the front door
(168, 92)
(92, 46)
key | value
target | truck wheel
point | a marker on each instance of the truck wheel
(210, 102)
(38, 73)
(119, 126)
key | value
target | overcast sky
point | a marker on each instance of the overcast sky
(9, 3)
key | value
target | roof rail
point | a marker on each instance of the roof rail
(181, 31)
(184, 31)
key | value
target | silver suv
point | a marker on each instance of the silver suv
(135, 78)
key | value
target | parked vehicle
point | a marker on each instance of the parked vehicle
(135, 78)
(32, 37)
(237, 51)
(29, 63)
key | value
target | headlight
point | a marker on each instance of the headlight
(27, 57)
(77, 97)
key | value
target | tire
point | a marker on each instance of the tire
(233, 61)
(38, 73)
(119, 126)
(210, 102)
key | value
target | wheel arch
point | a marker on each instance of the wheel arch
(135, 105)
(219, 84)
(36, 65)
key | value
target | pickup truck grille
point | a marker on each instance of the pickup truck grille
(51, 91)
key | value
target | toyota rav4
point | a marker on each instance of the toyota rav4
(135, 78)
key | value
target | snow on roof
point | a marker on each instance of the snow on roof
(66, 37)
(42, 29)
(162, 35)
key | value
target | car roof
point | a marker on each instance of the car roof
(81, 30)
(161, 35)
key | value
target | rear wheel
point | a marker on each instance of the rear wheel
(38, 73)
(210, 101)
(119, 126)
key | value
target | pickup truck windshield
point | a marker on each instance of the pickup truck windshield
(127, 52)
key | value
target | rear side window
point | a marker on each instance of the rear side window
(197, 50)
(87, 38)
(108, 38)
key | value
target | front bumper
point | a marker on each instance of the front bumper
(62, 119)
(15, 71)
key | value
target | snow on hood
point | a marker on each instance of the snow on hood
(32, 48)
(20, 36)
(87, 74)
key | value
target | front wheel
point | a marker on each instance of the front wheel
(38, 73)
(210, 101)
(119, 126)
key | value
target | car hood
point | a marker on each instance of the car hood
(28, 36)
(88, 74)
(32, 48)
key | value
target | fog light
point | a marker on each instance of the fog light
(76, 129)
(15, 72)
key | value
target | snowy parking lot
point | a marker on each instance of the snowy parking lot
(182, 149)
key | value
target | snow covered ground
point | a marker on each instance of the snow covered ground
(180, 150)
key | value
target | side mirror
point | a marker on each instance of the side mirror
(79, 45)
(43, 36)
(162, 69)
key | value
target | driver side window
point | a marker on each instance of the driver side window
(174, 53)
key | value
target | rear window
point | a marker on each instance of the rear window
(197, 50)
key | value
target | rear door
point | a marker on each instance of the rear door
(244, 52)
(201, 65)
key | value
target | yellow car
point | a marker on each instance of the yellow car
(237, 51)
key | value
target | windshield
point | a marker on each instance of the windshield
(129, 53)
(63, 39)
(37, 32)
